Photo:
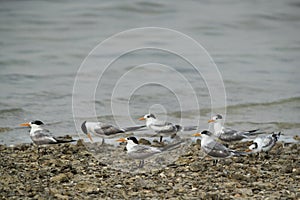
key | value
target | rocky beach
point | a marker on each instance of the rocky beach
(70, 171)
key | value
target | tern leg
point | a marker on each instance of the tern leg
(160, 139)
(215, 162)
(141, 165)
(103, 141)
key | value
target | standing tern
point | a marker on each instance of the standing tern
(162, 128)
(227, 134)
(41, 136)
(105, 130)
(214, 149)
(264, 144)
(140, 152)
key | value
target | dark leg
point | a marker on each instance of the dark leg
(215, 162)
(161, 137)
(141, 165)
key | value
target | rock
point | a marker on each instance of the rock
(60, 178)
(87, 187)
(144, 141)
(77, 174)
(118, 186)
(296, 137)
(60, 196)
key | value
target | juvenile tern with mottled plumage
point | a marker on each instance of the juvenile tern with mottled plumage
(264, 144)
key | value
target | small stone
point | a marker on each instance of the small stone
(118, 186)
(60, 178)
(59, 196)
(144, 141)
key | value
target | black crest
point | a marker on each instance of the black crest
(151, 115)
(37, 122)
(219, 116)
(133, 139)
(206, 132)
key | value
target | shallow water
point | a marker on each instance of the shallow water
(255, 46)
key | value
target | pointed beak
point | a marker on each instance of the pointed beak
(25, 124)
(122, 140)
(211, 120)
(90, 137)
(142, 118)
(248, 150)
(197, 134)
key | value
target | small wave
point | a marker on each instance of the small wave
(272, 103)
(5, 129)
(11, 110)
(279, 125)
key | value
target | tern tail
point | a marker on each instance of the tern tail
(240, 153)
(172, 146)
(190, 128)
(64, 139)
(254, 132)
(133, 128)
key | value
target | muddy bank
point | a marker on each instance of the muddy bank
(69, 171)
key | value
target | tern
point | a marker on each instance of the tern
(140, 152)
(162, 128)
(264, 144)
(214, 149)
(41, 136)
(227, 134)
(105, 130)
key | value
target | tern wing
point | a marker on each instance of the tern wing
(216, 150)
(190, 128)
(268, 141)
(108, 130)
(164, 127)
(145, 149)
(43, 137)
(230, 135)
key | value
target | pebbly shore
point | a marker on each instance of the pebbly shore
(70, 171)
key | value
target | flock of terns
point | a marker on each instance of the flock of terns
(211, 142)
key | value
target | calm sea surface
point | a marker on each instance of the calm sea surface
(254, 44)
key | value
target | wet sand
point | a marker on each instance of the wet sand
(69, 171)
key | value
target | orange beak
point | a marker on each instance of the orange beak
(90, 137)
(122, 140)
(197, 134)
(248, 150)
(142, 118)
(211, 120)
(25, 124)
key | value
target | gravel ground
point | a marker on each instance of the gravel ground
(69, 171)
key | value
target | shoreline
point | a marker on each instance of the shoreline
(69, 171)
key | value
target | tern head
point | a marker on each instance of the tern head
(147, 117)
(203, 133)
(253, 146)
(85, 131)
(35, 123)
(276, 136)
(131, 142)
(131, 139)
(215, 118)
